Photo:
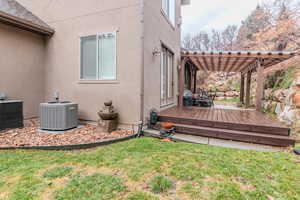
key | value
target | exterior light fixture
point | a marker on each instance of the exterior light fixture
(156, 52)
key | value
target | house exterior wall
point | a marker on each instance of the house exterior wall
(22, 67)
(158, 31)
(72, 19)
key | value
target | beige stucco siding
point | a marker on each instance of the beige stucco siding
(158, 31)
(22, 67)
(63, 53)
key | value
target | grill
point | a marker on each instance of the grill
(11, 114)
(58, 115)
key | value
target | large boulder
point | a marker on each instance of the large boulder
(231, 94)
(296, 83)
(223, 89)
(289, 115)
(220, 94)
(279, 108)
(296, 99)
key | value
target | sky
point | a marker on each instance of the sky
(205, 15)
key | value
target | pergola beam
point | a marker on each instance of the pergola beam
(199, 65)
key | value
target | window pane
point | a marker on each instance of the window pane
(162, 61)
(165, 6)
(170, 75)
(172, 8)
(89, 58)
(107, 56)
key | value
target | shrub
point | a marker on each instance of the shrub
(160, 184)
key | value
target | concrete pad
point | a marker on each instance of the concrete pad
(242, 145)
(57, 132)
(214, 142)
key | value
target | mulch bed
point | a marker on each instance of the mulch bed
(30, 137)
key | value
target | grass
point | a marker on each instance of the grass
(141, 196)
(125, 170)
(95, 187)
(57, 172)
(160, 184)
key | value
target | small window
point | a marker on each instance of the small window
(169, 7)
(98, 57)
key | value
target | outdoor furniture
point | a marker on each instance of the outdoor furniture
(201, 99)
(204, 99)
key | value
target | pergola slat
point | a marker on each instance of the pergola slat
(233, 61)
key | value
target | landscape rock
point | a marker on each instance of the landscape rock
(220, 94)
(296, 82)
(268, 94)
(279, 108)
(296, 99)
(280, 95)
(289, 115)
(231, 94)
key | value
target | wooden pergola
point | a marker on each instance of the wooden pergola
(244, 62)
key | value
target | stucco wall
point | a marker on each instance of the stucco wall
(22, 67)
(72, 19)
(159, 31)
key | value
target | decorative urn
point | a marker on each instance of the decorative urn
(108, 118)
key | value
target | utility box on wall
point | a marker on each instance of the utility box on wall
(11, 114)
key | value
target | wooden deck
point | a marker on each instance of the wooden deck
(240, 125)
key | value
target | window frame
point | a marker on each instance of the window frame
(167, 13)
(98, 76)
(168, 100)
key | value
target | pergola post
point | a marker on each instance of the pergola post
(181, 81)
(195, 81)
(248, 88)
(242, 89)
(260, 86)
(192, 79)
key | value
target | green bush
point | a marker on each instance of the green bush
(160, 184)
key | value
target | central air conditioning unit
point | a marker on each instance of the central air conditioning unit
(58, 116)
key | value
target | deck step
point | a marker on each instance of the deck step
(272, 130)
(236, 135)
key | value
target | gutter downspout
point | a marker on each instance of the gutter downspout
(142, 100)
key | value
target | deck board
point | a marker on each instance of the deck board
(244, 120)
(251, 117)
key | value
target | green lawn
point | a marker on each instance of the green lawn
(149, 169)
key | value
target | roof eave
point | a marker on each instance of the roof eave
(25, 25)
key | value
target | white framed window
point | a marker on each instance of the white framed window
(98, 57)
(166, 77)
(169, 8)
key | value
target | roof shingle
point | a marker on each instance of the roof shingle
(15, 9)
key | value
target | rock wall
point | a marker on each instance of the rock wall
(285, 104)
(226, 85)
